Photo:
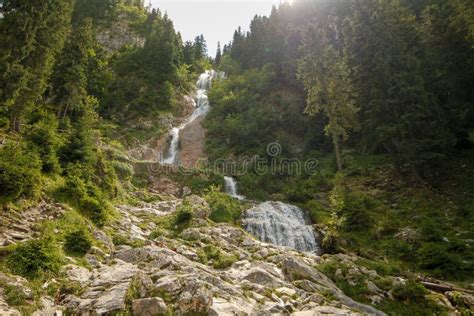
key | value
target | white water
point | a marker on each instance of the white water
(202, 107)
(231, 188)
(281, 224)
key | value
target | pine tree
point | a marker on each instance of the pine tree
(398, 112)
(32, 34)
(217, 60)
(326, 77)
(70, 75)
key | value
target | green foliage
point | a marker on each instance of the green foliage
(223, 207)
(184, 215)
(14, 295)
(87, 197)
(118, 240)
(124, 170)
(439, 260)
(34, 258)
(219, 259)
(325, 73)
(44, 138)
(411, 291)
(147, 80)
(20, 172)
(94, 210)
(78, 243)
(32, 34)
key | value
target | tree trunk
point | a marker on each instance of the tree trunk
(337, 151)
(14, 123)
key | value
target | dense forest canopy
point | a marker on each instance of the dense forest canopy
(63, 78)
(387, 76)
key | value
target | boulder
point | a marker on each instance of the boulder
(199, 205)
(149, 307)
(195, 299)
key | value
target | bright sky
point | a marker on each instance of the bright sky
(216, 19)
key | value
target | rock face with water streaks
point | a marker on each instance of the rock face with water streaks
(281, 224)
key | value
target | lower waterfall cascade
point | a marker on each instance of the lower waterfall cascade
(281, 224)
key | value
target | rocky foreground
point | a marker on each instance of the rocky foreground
(204, 269)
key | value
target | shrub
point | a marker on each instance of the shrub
(124, 170)
(184, 215)
(14, 295)
(44, 138)
(219, 259)
(225, 209)
(410, 291)
(94, 210)
(356, 212)
(78, 243)
(20, 173)
(75, 188)
(33, 258)
(437, 259)
(224, 261)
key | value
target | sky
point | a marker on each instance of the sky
(216, 19)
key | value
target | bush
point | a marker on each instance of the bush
(33, 258)
(219, 260)
(437, 259)
(184, 215)
(78, 243)
(356, 212)
(94, 210)
(224, 261)
(44, 138)
(14, 295)
(20, 173)
(124, 170)
(410, 291)
(225, 209)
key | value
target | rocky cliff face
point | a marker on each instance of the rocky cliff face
(118, 35)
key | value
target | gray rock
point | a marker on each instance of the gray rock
(195, 299)
(149, 307)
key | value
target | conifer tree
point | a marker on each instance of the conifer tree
(326, 77)
(217, 60)
(32, 33)
(70, 75)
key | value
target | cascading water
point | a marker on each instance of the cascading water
(281, 224)
(174, 147)
(202, 107)
(231, 188)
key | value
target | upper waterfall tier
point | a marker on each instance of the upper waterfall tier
(202, 108)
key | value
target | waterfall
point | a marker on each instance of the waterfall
(231, 188)
(281, 224)
(202, 107)
(173, 148)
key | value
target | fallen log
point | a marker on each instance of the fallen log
(444, 287)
